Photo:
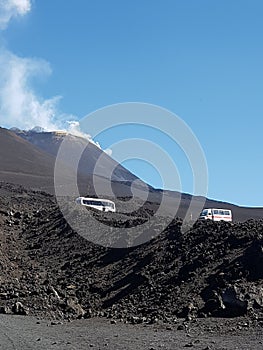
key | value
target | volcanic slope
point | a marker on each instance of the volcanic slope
(26, 163)
(47, 269)
(92, 160)
(22, 163)
(99, 174)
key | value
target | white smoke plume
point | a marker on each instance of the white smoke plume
(19, 104)
(108, 151)
(12, 8)
(74, 129)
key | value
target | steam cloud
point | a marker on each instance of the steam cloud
(74, 129)
(20, 106)
(12, 8)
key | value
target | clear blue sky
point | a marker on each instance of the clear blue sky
(201, 59)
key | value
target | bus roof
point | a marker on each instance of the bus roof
(216, 209)
(96, 199)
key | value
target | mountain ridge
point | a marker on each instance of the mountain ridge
(28, 159)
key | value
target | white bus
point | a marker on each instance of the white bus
(97, 203)
(216, 215)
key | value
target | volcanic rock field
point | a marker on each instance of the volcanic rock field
(50, 271)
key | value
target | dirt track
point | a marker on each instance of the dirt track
(26, 333)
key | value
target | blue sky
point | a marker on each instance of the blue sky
(200, 59)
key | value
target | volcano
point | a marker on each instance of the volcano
(28, 158)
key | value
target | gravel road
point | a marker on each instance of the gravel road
(26, 333)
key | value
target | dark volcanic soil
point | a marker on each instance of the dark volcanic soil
(202, 288)
(18, 332)
(48, 270)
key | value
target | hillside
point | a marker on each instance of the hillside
(26, 163)
(213, 269)
(87, 153)
(28, 159)
(23, 163)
